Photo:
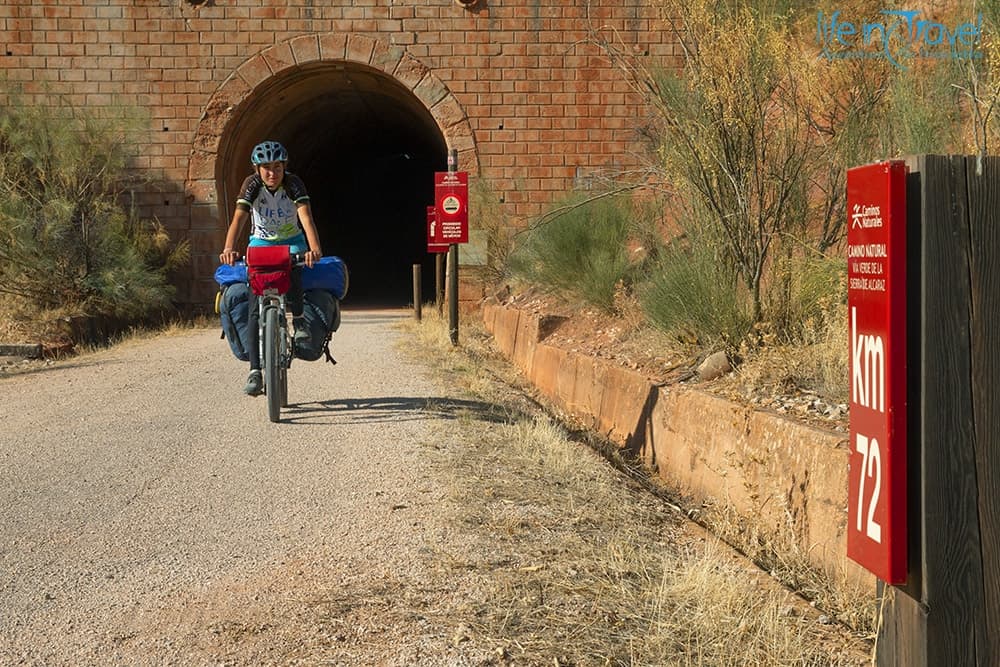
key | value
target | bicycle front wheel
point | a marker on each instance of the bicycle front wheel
(272, 364)
(286, 355)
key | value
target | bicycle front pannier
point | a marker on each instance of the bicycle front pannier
(321, 312)
(234, 311)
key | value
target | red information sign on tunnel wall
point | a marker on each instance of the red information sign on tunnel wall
(433, 233)
(876, 304)
(451, 199)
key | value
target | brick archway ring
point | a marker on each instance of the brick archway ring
(451, 119)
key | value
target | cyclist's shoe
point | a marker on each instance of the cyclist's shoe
(255, 384)
(301, 330)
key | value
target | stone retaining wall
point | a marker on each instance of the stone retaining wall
(785, 480)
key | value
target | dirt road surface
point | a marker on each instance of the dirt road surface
(151, 514)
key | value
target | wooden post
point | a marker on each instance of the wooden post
(948, 612)
(453, 269)
(453, 293)
(416, 292)
(439, 282)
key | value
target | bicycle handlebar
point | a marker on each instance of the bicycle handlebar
(298, 258)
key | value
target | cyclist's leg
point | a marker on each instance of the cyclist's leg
(254, 324)
(255, 381)
(296, 244)
(294, 296)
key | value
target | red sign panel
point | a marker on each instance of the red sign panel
(876, 304)
(434, 244)
(451, 199)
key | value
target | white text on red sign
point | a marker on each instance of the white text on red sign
(867, 368)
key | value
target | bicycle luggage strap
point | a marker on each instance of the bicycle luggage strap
(326, 351)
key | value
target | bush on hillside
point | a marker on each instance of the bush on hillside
(491, 218)
(579, 250)
(694, 296)
(69, 239)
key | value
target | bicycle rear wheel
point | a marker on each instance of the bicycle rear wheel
(272, 364)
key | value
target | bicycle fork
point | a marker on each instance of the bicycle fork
(264, 304)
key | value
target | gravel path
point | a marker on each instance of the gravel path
(151, 514)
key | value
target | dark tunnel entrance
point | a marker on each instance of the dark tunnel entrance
(367, 149)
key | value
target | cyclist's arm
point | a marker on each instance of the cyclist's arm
(229, 254)
(305, 217)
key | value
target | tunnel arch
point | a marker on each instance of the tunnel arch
(365, 125)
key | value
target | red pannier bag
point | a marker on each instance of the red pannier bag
(269, 268)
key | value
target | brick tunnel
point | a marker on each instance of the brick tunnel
(367, 149)
(368, 97)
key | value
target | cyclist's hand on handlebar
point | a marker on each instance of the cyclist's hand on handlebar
(312, 257)
(229, 256)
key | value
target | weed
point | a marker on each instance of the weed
(804, 346)
(694, 296)
(580, 252)
(491, 218)
(71, 243)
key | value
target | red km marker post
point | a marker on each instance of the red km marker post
(876, 301)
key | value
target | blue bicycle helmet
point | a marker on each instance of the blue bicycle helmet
(268, 151)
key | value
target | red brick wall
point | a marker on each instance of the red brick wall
(514, 85)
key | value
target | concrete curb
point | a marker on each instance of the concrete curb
(786, 480)
(28, 351)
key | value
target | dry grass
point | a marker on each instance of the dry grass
(781, 555)
(816, 362)
(578, 565)
(62, 329)
(53, 331)
(19, 324)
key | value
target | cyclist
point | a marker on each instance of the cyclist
(276, 203)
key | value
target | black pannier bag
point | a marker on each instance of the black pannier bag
(321, 312)
(234, 311)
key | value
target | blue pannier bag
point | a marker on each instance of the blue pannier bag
(323, 286)
(234, 311)
(227, 275)
(329, 273)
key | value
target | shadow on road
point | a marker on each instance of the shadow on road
(350, 317)
(393, 409)
(40, 366)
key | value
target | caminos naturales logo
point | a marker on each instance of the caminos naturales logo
(899, 36)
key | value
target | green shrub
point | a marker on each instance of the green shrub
(579, 250)
(804, 289)
(693, 295)
(68, 238)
